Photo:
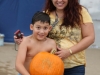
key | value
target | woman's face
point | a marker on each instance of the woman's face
(60, 4)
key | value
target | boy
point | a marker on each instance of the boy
(35, 43)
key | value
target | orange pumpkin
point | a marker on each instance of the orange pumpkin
(45, 63)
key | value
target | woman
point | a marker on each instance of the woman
(73, 32)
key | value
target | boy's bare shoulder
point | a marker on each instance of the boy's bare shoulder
(26, 39)
(51, 41)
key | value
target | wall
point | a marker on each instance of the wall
(92, 5)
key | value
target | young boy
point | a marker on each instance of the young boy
(35, 43)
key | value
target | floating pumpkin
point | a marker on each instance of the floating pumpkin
(45, 63)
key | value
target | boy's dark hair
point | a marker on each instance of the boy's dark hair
(41, 16)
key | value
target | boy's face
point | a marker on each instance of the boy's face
(40, 30)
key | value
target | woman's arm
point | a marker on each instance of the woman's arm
(21, 56)
(88, 37)
(18, 40)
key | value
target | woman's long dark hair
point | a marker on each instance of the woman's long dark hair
(72, 13)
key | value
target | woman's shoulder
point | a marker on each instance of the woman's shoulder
(86, 16)
(51, 14)
(84, 9)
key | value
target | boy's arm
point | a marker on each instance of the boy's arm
(54, 46)
(21, 56)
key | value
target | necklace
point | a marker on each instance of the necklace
(56, 20)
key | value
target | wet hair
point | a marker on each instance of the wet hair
(40, 16)
(72, 13)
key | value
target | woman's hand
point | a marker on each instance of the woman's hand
(62, 53)
(18, 41)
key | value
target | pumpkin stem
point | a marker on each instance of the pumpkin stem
(53, 51)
